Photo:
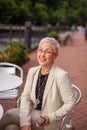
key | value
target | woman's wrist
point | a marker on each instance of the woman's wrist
(26, 127)
(47, 119)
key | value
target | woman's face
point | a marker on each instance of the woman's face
(46, 54)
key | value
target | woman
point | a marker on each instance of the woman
(47, 95)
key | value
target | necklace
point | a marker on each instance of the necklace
(40, 88)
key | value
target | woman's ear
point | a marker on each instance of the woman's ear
(56, 55)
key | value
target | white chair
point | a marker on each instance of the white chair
(1, 111)
(10, 69)
(66, 123)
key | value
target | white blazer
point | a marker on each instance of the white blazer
(58, 98)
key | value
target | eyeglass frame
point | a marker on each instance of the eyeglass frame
(46, 52)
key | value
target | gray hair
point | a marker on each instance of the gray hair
(51, 41)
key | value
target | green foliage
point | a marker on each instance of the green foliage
(62, 16)
(43, 12)
(1, 56)
(14, 12)
(54, 17)
(15, 53)
(7, 8)
(53, 34)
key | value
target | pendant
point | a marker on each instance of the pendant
(37, 101)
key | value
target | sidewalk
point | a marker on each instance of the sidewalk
(72, 58)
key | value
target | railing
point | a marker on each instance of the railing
(28, 35)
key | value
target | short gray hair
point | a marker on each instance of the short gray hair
(51, 41)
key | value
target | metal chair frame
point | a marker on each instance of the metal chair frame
(3, 66)
(66, 125)
(10, 68)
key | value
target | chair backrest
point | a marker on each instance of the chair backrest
(77, 93)
(11, 68)
(1, 111)
(66, 123)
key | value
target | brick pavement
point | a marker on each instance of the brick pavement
(72, 58)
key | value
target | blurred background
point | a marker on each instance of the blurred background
(43, 12)
(25, 22)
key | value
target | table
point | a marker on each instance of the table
(1, 111)
(8, 81)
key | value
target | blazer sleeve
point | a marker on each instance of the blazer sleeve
(26, 104)
(68, 97)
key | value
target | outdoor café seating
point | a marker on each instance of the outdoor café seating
(67, 122)
(11, 78)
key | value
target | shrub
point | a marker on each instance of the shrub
(53, 34)
(15, 52)
(1, 56)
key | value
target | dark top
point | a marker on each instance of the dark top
(86, 31)
(40, 87)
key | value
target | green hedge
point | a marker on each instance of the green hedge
(53, 34)
(14, 52)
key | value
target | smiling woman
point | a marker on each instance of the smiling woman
(48, 94)
(47, 53)
(53, 42)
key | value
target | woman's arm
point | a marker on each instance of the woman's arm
(26, 127)
(26, 104)
(68, 96)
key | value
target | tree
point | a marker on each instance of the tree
(41, 15)
(7, 8)
(43, 12)
(22, 13)
(13, 12)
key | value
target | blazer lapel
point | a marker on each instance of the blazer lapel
(49, 83)
(34, 85)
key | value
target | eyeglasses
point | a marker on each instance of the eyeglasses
(46, 52)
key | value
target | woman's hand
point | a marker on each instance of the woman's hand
(44, 123)
(26, 127)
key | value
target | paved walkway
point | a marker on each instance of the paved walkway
(72, 58)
